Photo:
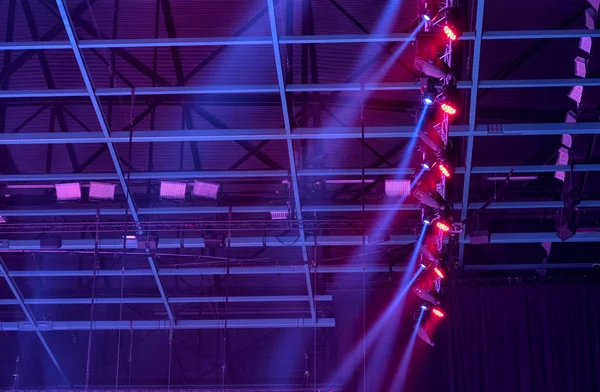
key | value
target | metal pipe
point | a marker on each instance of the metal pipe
(113, 325)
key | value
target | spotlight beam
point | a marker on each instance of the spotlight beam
(400, 377)
(352, 360)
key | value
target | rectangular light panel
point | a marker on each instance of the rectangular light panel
(102, 191)
(279, 215)
(2, 219)
(67, 192)
(206, 190)
(397, 187)
(590, 19)
(576, 93)
(585, 44)
(580, 67)
(172, 190)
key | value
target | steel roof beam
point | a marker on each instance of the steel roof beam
(33, 323)
(254, 174)
(185, 210)
(291, 88)
(266, 40)
(24, 326)
(158, 300)
(376, 132)
(288, 241)
(272, 270)
(258, 270)
(91, 93)
(281, 87)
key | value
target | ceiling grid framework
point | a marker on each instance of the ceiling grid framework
(208, 108)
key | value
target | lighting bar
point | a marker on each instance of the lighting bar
(68, 191)
(279, 215)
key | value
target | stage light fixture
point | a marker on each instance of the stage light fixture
(428, 197)
(101, 191)
(430, 137)
(453, 29)
(424, 307)
(430, 252)
(448, 98)
(438, 312)
(68, 192)
(424, 335)
(436, 69)
(422, 266)
(444, 169)
(427, 215)
(439, 272)
(206, 190)
(426, 295)
(397, 187)
(172, 190)
(443, 226)
(429, 92)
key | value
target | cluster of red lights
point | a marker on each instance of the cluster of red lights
(448, 109)
(438, 312)
(444, 170)
(450, 33)
(443, 226)
(438, 271)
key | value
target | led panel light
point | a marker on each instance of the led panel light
(397, 187)
(68, 192)
(580, 67)
(576, 93)
(102, 191)
(571, 117)
(590, 19)
(2, 219)
(566, 140)
(585, 44)
(279, 215)
(172, 190)
(560, 176)
(563, 157)
(206, 190)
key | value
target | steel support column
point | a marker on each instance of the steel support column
(472, 119)
(90, 91)
(290, 147)
(33, 323)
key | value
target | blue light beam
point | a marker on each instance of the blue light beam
(401, 373)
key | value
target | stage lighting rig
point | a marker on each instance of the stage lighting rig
(429, 92)
(424, 335)
(428, 215)
(426, 295)
(430, 137)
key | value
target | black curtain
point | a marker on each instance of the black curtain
(513, 338)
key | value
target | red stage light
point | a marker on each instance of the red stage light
(449, 33)
(439, 272)
(444, 170)
(442, 226)
(438, 312)
(448, 109)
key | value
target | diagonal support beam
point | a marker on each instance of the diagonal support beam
(290, 147)
(30, 317)
(472, 119)
(89, 86)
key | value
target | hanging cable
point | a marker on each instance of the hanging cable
(170, 358)
(125, 222)
(89, 348)
(224, 355)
